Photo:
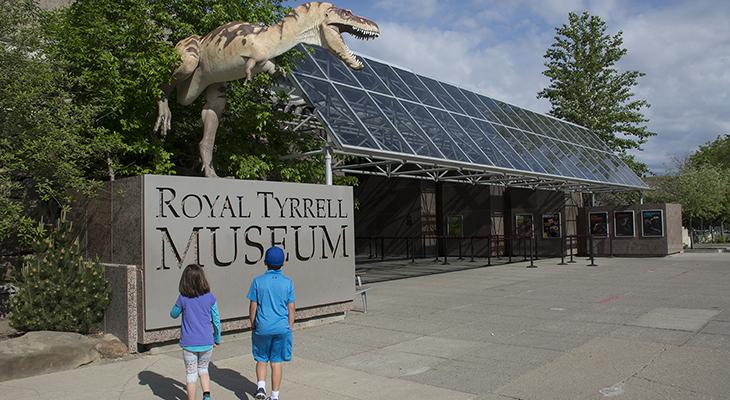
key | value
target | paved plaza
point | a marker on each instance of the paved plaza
(649, 328)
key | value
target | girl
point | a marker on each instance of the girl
(201, 327)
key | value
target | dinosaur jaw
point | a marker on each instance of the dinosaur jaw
(333, 40)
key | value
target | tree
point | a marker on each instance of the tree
(715, 153)
(57, 289)
(122, 51)
(48, 147)
(587, 89)
(702, 191)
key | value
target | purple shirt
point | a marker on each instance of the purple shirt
(197, 325)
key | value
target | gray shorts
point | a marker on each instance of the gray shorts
(196, 363)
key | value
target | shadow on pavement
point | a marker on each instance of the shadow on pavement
(232, 380)
(162, 386)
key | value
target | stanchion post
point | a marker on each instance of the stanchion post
(571, 250)
(413, 250)
(562, 250)
(382, 248)
(471, 244)
(532, 244)
(460, 257)
(590, 244)
(509, 248)
(446, 251)
(370, 247)
(489, 250)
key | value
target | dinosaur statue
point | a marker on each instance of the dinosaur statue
(240, 50)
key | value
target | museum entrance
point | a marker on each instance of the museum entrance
(447, 174)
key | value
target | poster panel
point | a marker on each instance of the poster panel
(652, 223)
(623, 224)
(551, 228)
(523, 224)
(598, 223)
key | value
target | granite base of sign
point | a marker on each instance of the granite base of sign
(146, 229)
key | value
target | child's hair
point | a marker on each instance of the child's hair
(193, 282)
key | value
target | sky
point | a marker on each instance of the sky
(496, 47)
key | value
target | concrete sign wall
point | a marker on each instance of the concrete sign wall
(227, 224)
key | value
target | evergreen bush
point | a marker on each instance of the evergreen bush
(57, 289)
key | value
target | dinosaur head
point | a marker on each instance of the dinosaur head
(338, 21)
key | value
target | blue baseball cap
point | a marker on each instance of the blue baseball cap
(274, 257)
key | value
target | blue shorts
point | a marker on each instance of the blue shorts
(271, 348)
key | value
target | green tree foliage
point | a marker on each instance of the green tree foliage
(703, 191)
(122, 51)
(48, 147)
(57, 289)
(715, 153)
(586, 88)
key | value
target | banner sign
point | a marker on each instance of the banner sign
(226, 225)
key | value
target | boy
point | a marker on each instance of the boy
(272, 313)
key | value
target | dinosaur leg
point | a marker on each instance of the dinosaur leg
(215, 103)
(189, 51)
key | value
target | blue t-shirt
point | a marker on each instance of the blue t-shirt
(272, 292)
(197, 320)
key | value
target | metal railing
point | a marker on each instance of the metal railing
(442, 247)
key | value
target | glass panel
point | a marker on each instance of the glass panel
(597, 167)
(412, 133)
(391, 80)
(502, 145)
(543, 129)
(370, 81)
(484, 112)
(335, 113)
(379, 127)
(307, 65)
(573, 161)
(465, 104)
(460, 137)
(416, 86)
(551, 153)
(503, 118)
(485, 145)
(333, 68)
(532, 127)
(562, 131)
(518, 123)
(534, 147)
(519, 148)
(433, 130)
(579, 135)
(435, 88)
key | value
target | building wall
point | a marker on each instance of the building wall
(412, 208)
(669, 243)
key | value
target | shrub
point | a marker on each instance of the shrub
(57, 289)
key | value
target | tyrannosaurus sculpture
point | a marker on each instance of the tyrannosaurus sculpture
(240, 50)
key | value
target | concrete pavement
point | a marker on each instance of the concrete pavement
(649, 328)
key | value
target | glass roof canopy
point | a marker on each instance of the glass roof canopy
(405, 124)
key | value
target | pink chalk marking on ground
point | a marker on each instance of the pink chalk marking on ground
(608, 299)
(679, 274)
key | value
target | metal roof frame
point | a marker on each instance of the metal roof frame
(389, 164)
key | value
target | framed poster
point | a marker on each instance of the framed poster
(652, 223)
(523, 224)
(551, 226)
(455, 225)
(598, 223)
(623, 224)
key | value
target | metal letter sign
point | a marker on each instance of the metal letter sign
(227, 224)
